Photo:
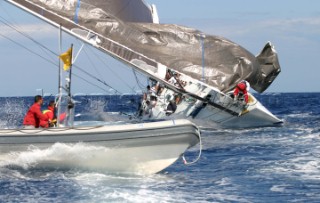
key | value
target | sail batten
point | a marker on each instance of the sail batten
(124, 30)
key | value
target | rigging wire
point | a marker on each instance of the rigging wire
(52, 62)
(91, 83)
(110, 69)
(139, 83)
(49, 61)
(19, 44)
(52, 52)
(7, 23)
(94, 77)
(94, 66)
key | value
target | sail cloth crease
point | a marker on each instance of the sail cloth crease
(128, 32)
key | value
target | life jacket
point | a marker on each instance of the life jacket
(46, 111)
(49, 114)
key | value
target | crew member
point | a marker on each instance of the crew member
(171, 108)
(50, 114)
(34, 114)
(152, 95)
(242, 89)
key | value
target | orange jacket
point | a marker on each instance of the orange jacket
(49, 113)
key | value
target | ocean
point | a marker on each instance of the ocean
(269, 164)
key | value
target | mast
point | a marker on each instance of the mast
(68, 88)
(65, 102)
(58, 105)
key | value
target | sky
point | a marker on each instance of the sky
(292, 26)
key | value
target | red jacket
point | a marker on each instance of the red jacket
(241, 87)
(49, 114)
(34, 115)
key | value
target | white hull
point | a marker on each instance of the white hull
(254, 116)
(207, 107)
(127, 149)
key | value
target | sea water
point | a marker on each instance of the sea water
(270, 164)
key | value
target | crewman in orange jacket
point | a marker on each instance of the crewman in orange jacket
(50, 114)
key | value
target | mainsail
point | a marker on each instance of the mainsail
(124, 29)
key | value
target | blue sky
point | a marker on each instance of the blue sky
(293, 27)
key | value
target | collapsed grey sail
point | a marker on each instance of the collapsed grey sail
(125, 30)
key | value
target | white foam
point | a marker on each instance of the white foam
(224, 182)
(302, 160)
(57, 153)
(278, 188)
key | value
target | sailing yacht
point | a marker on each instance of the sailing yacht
(206, 67)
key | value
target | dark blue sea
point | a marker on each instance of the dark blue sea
(270, 164)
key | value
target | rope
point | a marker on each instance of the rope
(39, 130)
(199, 154)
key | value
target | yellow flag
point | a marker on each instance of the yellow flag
(66, 57)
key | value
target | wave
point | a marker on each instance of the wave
(58, 155)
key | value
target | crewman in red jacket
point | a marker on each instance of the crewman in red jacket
(242, 88)
(34, 114)
(49, 113)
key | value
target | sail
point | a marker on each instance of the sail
(124, 29)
